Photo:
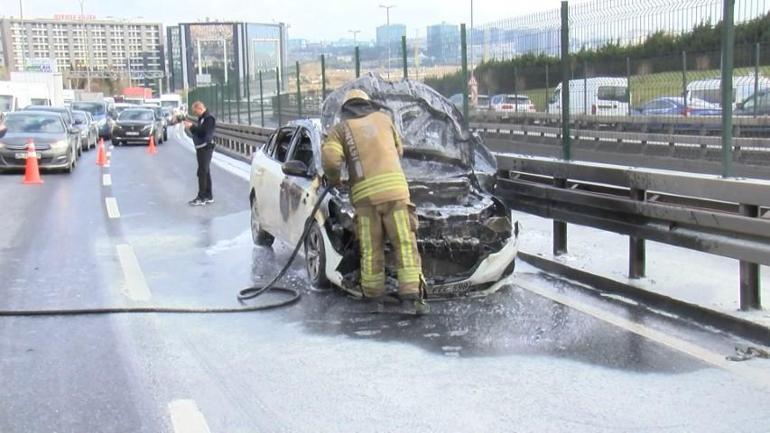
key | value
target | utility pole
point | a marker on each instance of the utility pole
(387, 26)
(473, 61)
(86, 51)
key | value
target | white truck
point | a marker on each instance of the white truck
(13, 97)
(173, 102)
(711, 89)
(52, 80)
(599, 96)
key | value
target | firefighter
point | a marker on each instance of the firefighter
(366, 141)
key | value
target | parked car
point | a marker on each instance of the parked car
(162, 120)
(102, 111)
(761, 100)
(136, 125)
(511, 104)
(56, 144)
(89, 128)
(711, 89)
(599, 96)
(675, 106)
(66, 114)
(466, 238)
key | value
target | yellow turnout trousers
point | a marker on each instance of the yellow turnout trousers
(397, 221)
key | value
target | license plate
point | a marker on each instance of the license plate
(132, 133)
(23, 155)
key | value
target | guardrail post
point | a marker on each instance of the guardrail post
(358, 62)
(585, 87)
(299, 94)
(323, 78)
(261, 102)
(637, 252)
(559, 227)
(728, 40)
(403, 54)
(238, 101)
(750, 283)
(278, 96)
(515, 88)
(464, 54)
(565, 77)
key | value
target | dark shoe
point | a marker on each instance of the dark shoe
(196, 202)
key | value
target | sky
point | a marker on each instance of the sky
(308, 19)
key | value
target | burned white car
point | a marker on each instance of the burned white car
(466, 237)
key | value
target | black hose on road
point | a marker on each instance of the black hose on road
(243, 295)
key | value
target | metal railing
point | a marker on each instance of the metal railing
(725, 217)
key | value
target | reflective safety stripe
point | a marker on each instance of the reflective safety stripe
(378, 184)
(335, 146)
(409, 275)
(401, 220)
(367, 252)
(376, 281)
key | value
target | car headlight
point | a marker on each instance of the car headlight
(59, 145)
(101, 122)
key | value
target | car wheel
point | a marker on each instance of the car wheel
(71, 166)
(315, 257)
(259, 236)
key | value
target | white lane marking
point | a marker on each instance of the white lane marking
(136, 286)
(112, 207)
(754, 375)
(107, 179)
(187, 418)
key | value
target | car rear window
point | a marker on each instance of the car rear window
(520, 100)
(613, 93)
(34, 124)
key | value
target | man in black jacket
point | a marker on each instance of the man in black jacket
(203, 137)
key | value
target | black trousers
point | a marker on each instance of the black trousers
(204, 155)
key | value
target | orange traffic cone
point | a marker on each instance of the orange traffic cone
(101, 155)
(151, 148)
(31, 170)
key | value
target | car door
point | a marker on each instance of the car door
(271, 174)
(298, 193)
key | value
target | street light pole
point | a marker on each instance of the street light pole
(387, 26)
(83, 46)
(21, 24)
(355, 32)
(473, 61)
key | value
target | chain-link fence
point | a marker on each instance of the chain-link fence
(658, 63)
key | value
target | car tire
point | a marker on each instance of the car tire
(71, 166)
(315, 258)
(259, 236)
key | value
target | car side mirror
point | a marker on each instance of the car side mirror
(295, 168)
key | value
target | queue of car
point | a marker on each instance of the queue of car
(62, 134)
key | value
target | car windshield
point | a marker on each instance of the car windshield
(34, 123)
(520, 100)
(169, 104)
(94, 108)
(613, 93)
(79, 117)
(6, 102)
(146, 115)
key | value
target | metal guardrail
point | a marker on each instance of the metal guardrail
(725, 217)
(692, 125)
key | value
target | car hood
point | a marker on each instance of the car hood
(134, 123)
(22, 138)
(429, 124)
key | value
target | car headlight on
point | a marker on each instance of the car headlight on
(59, 145)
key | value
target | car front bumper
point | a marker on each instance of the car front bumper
(48, 158)
(121, 136)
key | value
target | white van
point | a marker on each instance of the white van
(173, 102)
(13, 96)
(711, 90)
(600, 96)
